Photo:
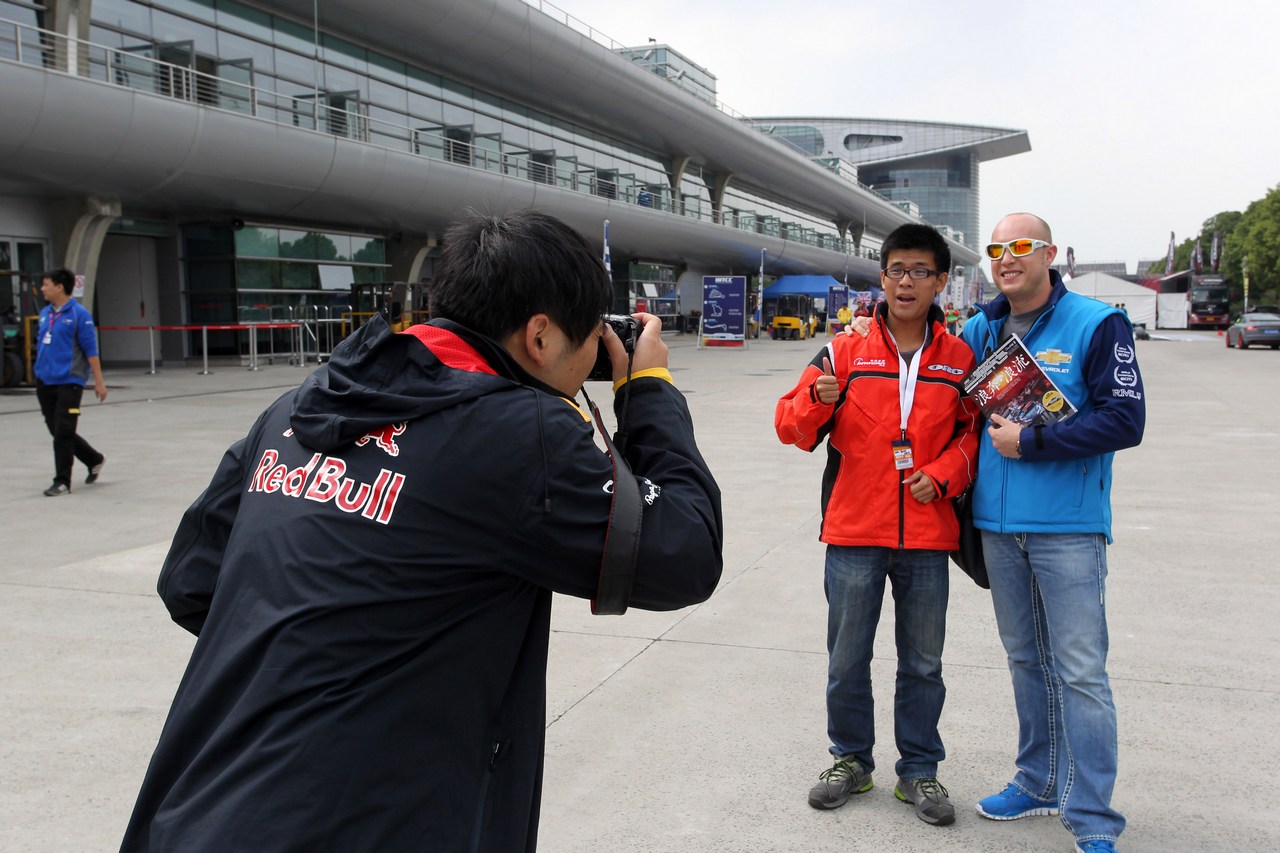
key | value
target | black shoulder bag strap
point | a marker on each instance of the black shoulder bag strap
(622, 538)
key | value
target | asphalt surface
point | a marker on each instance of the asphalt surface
(702, 729)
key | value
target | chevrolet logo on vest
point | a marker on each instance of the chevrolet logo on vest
(1053, 356)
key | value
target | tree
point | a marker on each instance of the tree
(1257, 237)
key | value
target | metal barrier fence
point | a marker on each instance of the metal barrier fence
(204, 329)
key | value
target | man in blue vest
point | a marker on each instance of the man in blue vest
(1042, 500)
(66, 350)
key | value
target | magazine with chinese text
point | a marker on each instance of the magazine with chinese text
(1011, 383)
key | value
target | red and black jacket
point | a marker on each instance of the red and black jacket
(864, 498)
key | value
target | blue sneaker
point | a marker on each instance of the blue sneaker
(1097, 845)
(1013, 803)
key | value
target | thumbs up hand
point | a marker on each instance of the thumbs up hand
(826, 387)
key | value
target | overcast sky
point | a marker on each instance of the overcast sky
(1144, 117)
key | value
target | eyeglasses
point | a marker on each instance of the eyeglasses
(918, 273)
(1018, 248)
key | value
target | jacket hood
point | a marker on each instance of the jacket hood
(377, 377)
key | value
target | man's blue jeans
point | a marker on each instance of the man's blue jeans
(1049, 591)
(855, 578)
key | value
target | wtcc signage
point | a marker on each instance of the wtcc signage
(724, 311)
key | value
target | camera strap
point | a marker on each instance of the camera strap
(622, 538)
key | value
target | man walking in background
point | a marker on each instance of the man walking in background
(66, 350)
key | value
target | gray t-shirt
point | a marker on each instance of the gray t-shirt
(1020, 324)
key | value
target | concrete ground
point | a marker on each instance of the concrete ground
(699, 730)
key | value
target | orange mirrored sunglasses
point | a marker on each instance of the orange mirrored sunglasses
(1018, 248)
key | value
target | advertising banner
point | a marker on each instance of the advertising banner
(837, 298)
(724, 311)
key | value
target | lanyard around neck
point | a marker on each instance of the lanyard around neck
(907, 377)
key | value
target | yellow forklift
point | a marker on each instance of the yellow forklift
(790, 316)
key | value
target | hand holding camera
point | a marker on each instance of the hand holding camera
(629, 345)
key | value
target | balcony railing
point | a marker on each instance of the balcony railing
(342, 114)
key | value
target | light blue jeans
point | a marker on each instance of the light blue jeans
(1049, 591)
(855, 578)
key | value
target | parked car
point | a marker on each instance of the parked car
(1255, 329)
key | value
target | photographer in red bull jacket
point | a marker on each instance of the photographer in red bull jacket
(370, 571)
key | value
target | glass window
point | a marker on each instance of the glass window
(425, 109)
(201, 10)
(208, 240)
(294, 67)
(210, 275)
(170, 28)
(386, 68)
(240, 18)
(457, 93)
(293, 36)
(97, 35)
(333, 277)
(387, 128)
(256, 241)
(333, 247)
(258, 275)
(297, 244)
(123, 15)
(339, 51)
(368, 250)
(387, 95)
(232, 47)
(423, 82)
(346, 81)
(301, 276)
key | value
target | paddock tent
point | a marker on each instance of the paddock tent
(1139, 301)
(810, 285)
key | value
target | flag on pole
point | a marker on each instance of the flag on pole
(1071, 262)
(1197, 259)
(760, 299)
(1168, 261)
(608, 264)
(1215, 256)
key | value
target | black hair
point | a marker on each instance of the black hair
(915, 236)
(494, 273)
(62, 277)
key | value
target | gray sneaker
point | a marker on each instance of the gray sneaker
(929, 798)
(834, 786)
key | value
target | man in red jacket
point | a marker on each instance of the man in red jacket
(901, 439)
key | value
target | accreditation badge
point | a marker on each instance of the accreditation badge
(902, 455)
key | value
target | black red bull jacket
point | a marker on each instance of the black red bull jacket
(369, 575)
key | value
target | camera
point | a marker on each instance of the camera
(627, 330)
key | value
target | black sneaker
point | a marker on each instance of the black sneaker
(95, 471)
(57, 489)
(929, 798)
(835, 785)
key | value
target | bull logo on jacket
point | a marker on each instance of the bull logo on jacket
(385, 438)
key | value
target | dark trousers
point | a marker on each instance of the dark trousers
(61, 407)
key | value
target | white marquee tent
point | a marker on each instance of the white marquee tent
(1138, 301)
